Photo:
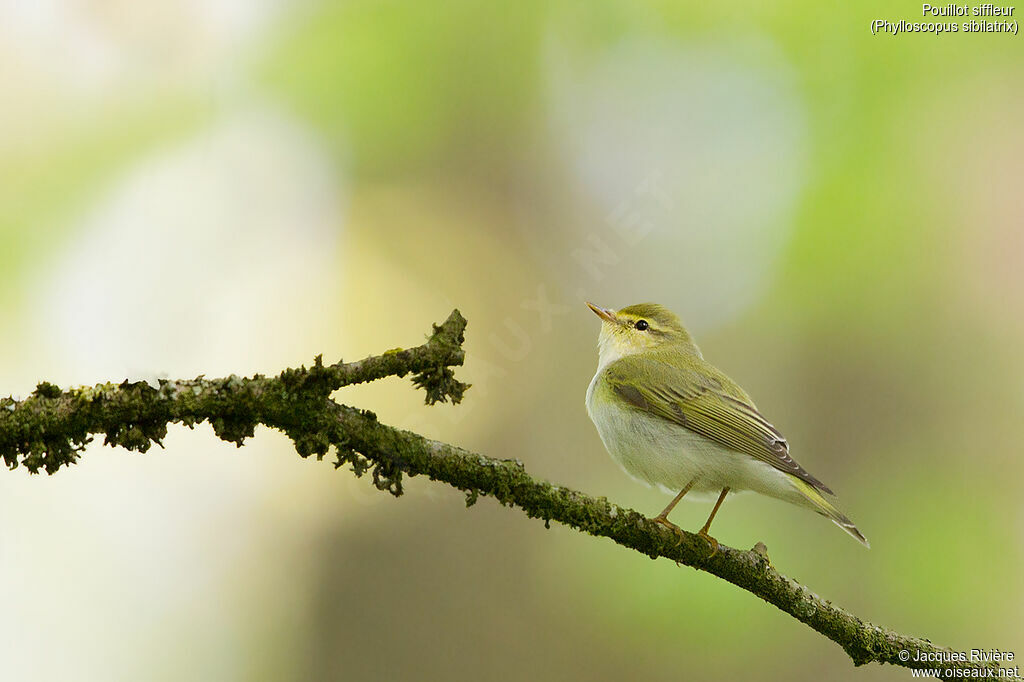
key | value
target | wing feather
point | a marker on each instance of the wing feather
(707, 403)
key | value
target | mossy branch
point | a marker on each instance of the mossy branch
(50, 429)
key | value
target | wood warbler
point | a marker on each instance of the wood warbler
(673, 420)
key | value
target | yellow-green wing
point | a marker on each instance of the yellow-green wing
(707, 402)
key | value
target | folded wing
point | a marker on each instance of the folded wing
(707, 403)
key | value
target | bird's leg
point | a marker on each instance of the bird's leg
(662, 518)
(703, 532)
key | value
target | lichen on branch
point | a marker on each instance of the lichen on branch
(50, 429)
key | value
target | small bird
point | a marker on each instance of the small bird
(671, 419)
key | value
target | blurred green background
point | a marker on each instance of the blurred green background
(217, 187)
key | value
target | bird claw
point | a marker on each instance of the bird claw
(680, 534)
(710, 540)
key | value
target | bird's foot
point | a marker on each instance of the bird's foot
(703, 532)
(663, 520)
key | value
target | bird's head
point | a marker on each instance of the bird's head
(640, 328)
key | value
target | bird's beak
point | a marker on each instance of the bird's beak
(606, 315)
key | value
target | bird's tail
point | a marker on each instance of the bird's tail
(817, 501)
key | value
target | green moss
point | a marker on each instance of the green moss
(47, 390)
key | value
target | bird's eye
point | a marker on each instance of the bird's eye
(641, 325)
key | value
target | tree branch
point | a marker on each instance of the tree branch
(50, 429)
